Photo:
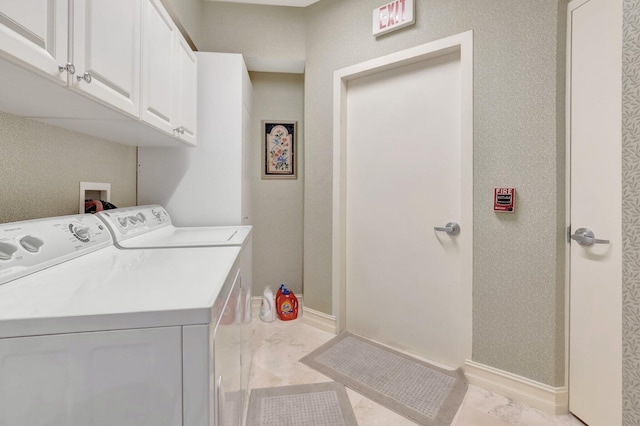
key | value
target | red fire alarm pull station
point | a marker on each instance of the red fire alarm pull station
(504, 200)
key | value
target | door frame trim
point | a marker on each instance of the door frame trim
(462, 43)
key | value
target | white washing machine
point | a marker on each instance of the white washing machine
(92, 334)
(150, 227)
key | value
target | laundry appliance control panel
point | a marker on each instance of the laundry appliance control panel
(33, 245)
(129, 222)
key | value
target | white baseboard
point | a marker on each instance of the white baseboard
(319, 320)
(553, 400)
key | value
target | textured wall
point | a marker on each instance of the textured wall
(255, 31)
(41, 167)
(277, 204)
(631, 213)
(518, 296)
(519, 304)
(187, 14)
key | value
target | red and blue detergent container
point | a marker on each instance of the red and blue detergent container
(286, 305)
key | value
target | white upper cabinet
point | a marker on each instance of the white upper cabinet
(187, 92)
(106, 51)
(122, 69)
(169, 75)
(159, 77)
(34, 33)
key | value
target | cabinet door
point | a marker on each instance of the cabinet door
(106, 51)
(159, 71)
(124, 378)
(187, 92)
(34, 33)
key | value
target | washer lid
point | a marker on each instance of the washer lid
(205, 236)
(118, 289)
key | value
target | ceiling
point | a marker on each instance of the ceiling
(294, 3)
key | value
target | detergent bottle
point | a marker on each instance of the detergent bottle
(279, 292)
(287, 305)
(268, 309)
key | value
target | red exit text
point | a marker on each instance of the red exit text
(392, 14)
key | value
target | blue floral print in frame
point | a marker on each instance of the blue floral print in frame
(279, 149)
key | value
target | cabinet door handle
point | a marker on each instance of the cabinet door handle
(86, 77)
(68, 67)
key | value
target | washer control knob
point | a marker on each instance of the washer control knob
(80, 232)
(31, 243)
(7, 250)
(141, 217)
(123, 221)
(156, 213)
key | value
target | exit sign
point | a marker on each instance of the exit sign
(393, 16)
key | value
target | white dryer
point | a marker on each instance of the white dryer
(151, 227)
(92, 334)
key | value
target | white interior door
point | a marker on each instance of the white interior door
(594, 101)
(404, 282)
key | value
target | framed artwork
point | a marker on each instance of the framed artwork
(280, 149)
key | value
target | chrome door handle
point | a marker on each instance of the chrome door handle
(586, 237)
(451, 228)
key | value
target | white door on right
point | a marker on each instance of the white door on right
(594, 129)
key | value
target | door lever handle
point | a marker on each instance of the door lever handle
(586, 237)
(451, 228)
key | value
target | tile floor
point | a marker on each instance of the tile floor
(278, 346)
